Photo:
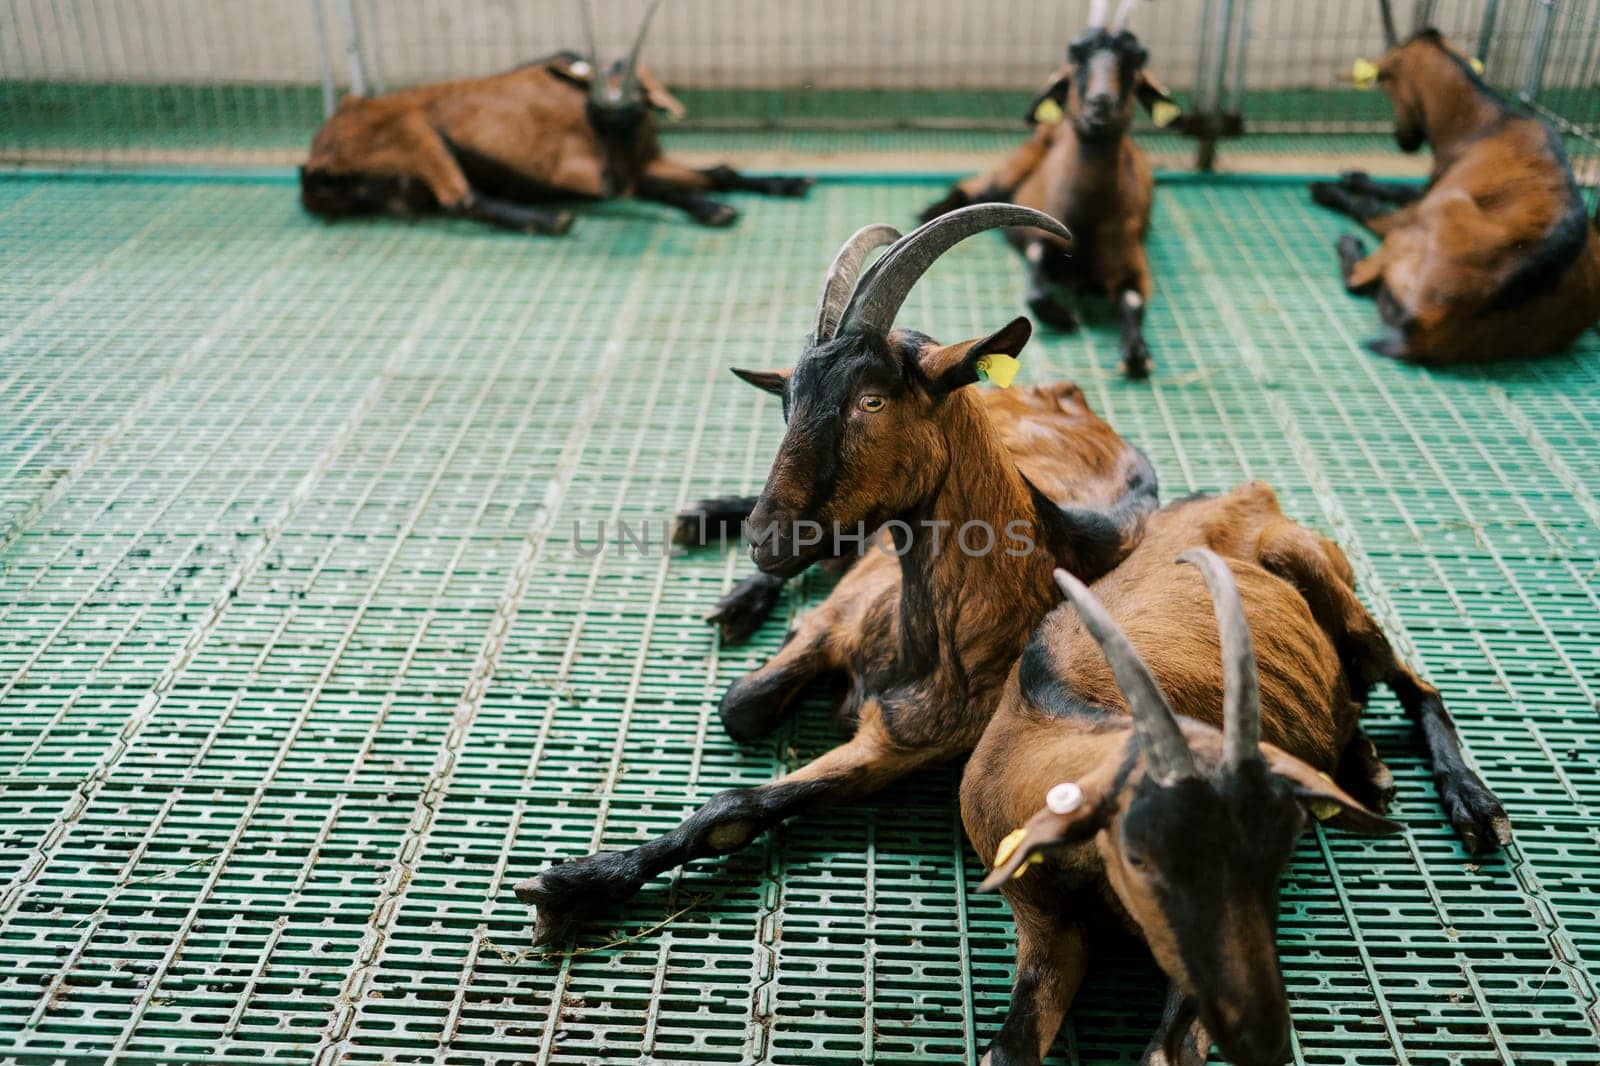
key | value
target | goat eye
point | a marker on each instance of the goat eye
(871, 403)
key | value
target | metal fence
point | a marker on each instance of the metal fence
(242, 80)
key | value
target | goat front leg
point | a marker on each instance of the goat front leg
(1052, 954)
(1362, 183)
(1308, 562)
(568, 893)
(724, 178)
(1135, 355)
(1042, 299)
(701, 208)
(518, 217)
(1180, 1039)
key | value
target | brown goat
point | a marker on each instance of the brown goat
(887, 443)
(1081, 166)
(1180, 832)
(1496, 257)
(493, 148)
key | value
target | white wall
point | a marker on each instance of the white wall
(700, 43)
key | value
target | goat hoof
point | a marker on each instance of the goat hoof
(718, 215)
(1053, 313)
(1354, 179)
(792, 186)
(1328, 194)
(560, 224)
(1475, 812)
(1136, 361)
(741, 612)
(567, 894)
(1349, 246)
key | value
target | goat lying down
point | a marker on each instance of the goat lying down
(500, 149)
(1082, 167)
(887, 438)
(1496, 257)
(1105, 750)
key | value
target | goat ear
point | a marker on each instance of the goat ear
(956, 365)
(1157, 99)
(1070, 815)
(1326, 801)
(1049, 105)
(658, 96)
(571, 68)
(766, 380)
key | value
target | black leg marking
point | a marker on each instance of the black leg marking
(701, 208)
(516, 217)
(749, 603)
(1136, 360)
(1179, 1040)
(1357, 205)
(756, 703)
(1017, 1042)
(1475, 812)
(572, 891)
(1362, 773)
(1359, 181)
(716, 520)
(725, 179)
(1351, 252)
(1042, 300)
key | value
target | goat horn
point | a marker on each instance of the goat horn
(841, 279)
(1097, 14)
(596, 81)
(885, 286)
(1241, 686)
(630, 75)
(1166, 753)
(1123, 11)
(1390, 37)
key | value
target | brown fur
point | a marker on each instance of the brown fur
(524, 136)
(923, 642)
(1318, 652)
(1500, 192)
(1099, 183)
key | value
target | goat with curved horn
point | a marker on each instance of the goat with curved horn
(1166, 753)
(1241, 684)
(883, 288)
(1192, 850)
(501, 149)
(840, 281)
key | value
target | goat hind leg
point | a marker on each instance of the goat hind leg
(696, 205)
(518, 217)
(1307, 561)
(1363, 773)
(572, 891)
(724, 178)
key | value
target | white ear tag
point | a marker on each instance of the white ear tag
(1063, 798)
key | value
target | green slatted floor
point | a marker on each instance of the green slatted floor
(299, 671)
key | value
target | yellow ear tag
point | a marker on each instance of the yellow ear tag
(1165, 113)
(1364, 72)
(1322, 810)
(1048, 112)
(1476, 64)
(999, 368)
(1007, 846)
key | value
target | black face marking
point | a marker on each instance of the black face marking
(1127, 58)
(1209, 846)
(823, 389)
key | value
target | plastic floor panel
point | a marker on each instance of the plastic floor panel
(301, 671)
